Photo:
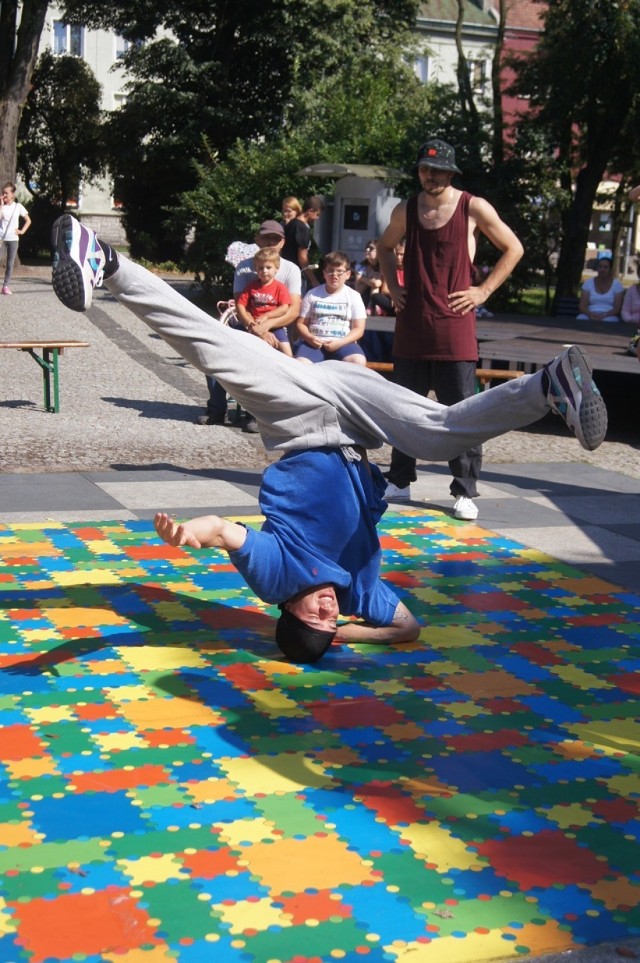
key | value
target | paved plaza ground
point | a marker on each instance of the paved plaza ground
(484, 781)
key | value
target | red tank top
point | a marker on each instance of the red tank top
(436, 263)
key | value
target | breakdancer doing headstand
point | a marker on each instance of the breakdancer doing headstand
(317, 554)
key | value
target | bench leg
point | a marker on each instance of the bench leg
(49, 364)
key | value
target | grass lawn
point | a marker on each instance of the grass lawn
(532, 301)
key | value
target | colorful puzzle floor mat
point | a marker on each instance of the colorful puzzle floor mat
(172, 789)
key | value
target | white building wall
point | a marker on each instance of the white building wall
(439, 60)
(436, 33)
(100, 49)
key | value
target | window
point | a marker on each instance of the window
(356, 217)
(422, 69)
(68, 38)
(122, 46)
(478, 74)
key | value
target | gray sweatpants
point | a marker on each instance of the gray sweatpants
(300, 406)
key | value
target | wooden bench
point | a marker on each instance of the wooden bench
(48, 361)
(484, 376)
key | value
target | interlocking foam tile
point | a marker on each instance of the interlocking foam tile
(174, 790)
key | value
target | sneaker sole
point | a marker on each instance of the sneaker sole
(592, 413)
(69, 279)
(69, 286)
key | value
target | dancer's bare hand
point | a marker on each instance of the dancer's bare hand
(174, 534)
(205, 531)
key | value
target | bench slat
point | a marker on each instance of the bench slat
(25, 345)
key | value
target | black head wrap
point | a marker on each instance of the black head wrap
(298, 641)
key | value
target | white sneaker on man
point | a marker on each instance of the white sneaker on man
(465, 508)
(78, 262)
(393, 493)
(573, 394)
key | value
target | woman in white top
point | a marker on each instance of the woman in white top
(11, 214)
(601, 298)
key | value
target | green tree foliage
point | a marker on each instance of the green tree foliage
(524, 189)
(221, 72)
(60, 143)
(583, 81)
(60, 140)
(369, 117)
(232, 197)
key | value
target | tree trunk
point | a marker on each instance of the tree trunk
(619, 227)
(465, 94)
(10, 111)
(574, 242)
(496, 86)
(19, 59)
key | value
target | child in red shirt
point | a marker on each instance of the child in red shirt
(265, 300)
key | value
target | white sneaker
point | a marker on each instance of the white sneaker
(397, 494)
(573, 394)
(465, 508)
(78, 262)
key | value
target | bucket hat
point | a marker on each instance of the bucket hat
(439, 155)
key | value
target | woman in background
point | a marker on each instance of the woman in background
(291, 207)
(601, 298)
(11, 214)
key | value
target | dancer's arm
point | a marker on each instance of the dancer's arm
(404, 628)
(206, 531)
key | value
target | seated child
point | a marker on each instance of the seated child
(264, 300)
(332, 317)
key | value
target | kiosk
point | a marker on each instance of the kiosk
(360, 208)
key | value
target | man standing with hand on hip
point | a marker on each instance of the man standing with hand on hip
(435, 346)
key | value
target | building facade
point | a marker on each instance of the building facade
(102, 50)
